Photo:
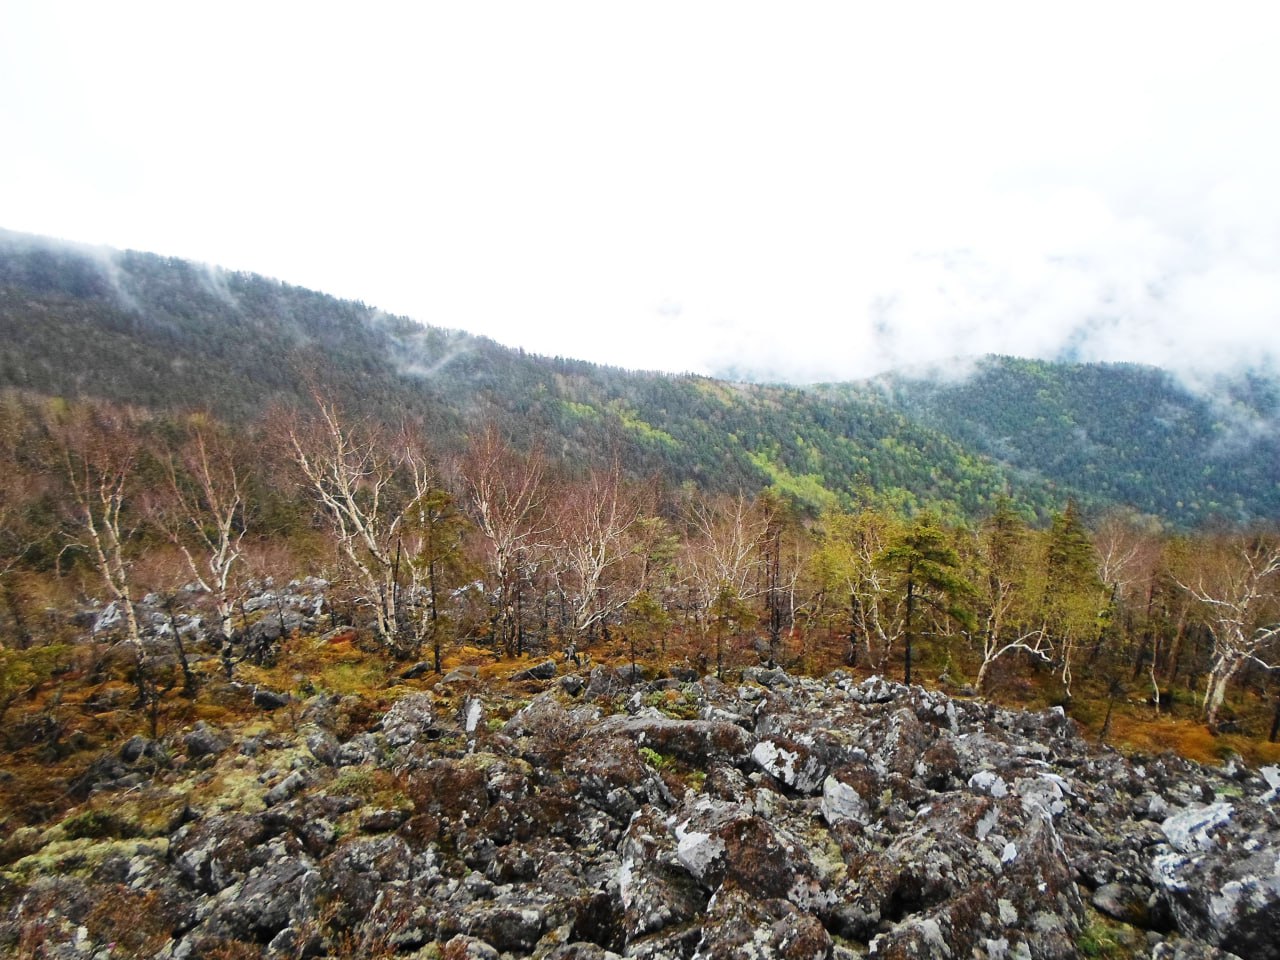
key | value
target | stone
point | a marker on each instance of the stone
(269, 699)
(1123, 902)
(790, 762)
(461, 674)
(572, 684)
(698, 742)
(795, 817)
(1192, 830)
(410, 719)
(203, 741)
(656, 889)
(841, 803)
(541, 671)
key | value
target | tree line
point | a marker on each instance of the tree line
(504, 547)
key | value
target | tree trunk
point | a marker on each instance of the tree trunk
(911, 625)
(1216, 690)
(188, 678)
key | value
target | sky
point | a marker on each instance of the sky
(800, 191)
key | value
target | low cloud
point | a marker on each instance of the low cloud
(1065, 278)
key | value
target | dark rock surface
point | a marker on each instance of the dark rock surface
(792, 818)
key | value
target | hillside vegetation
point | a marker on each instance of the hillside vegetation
(168, 425)
(166, 334)
(1114, 433)
(234, 511)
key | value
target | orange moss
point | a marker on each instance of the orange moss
(1187, 738)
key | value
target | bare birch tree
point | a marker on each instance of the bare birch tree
(354, 470)
(203, 512)
(1236, 586)
(595, 539)
(98, 448)
(722, 554)
(504, 492)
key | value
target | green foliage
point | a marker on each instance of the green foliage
(655, 759)
(1104, 939)
(21, 670)
(808, 490)
(161, 333)
(928, 569)
(1073, 596)
(97, 824)
(924, 557)
(1115, 433)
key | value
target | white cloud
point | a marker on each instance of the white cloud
(823, 190)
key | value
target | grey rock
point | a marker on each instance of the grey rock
(790, 762)
(699, 742)
(409, 720)
(655, 888)
(767, 676)
(286, 788)
(539, 671)
(203, 741)
(842, 803)
(792, 813)
(604, 682)
(138, 747)
(1120, 901)
(269, 699)
(322, 744)
(417, 671)
(572, 684)
(1193, 830)
(461, 674)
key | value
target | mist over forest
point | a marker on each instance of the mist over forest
(411, 574)
(161, 333)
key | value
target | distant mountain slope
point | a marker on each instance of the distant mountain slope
(80, 321)
(1117, 433)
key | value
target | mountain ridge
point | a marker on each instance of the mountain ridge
(157, 331)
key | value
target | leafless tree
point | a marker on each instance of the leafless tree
(1236, 585)
(202, 511)
(504, 492)
(98, 448)
(595, 538)
(721, 560)
(356, 471)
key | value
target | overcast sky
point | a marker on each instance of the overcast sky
(795, 190)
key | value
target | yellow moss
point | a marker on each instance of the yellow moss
(1188, 738)
(231, 791)
(81, 856)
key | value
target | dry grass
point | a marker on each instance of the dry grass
(1188, 738)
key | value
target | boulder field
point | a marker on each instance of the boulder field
(780, 817)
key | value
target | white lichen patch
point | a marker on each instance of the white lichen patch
(696, 851)
(1192, 830)
(840, 802)
(987, 822)
(990, 783)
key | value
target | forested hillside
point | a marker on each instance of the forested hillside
(181, 442)
(1116, 433)
(164, 333)
(81, 322)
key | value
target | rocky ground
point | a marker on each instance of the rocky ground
(604, 816)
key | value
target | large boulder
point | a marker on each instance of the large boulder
(1219, 876)
(697, 742)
